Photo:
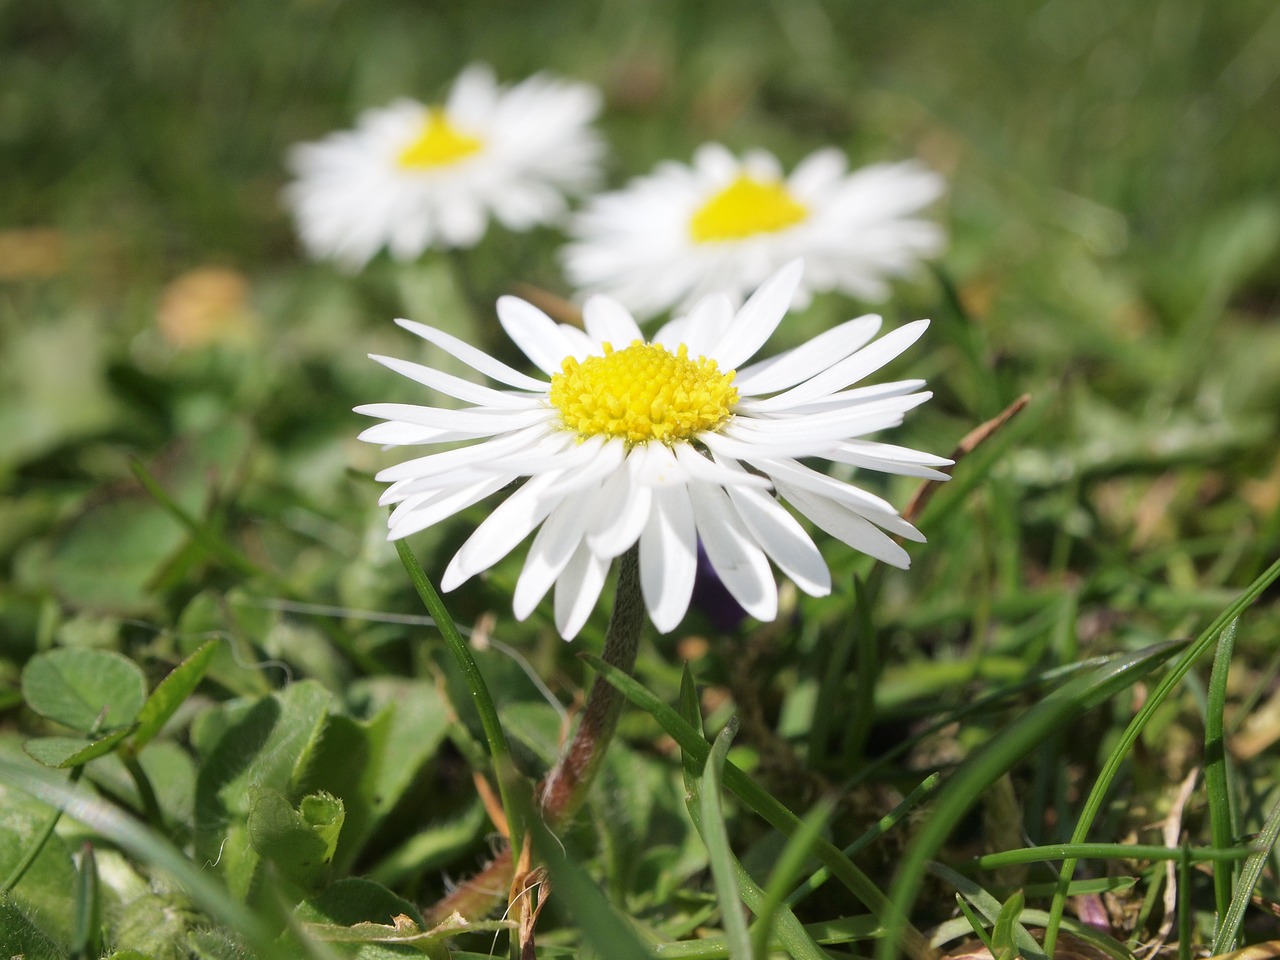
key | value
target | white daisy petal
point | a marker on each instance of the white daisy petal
(783, 540)
(556, 542)
(620, 512)
(850, 370)
(535, 333)
(476, 359)
(577, 590)
(410, 177)
(668, 557)
(809, 359)
(511, 521)
(734, 554)
(844, 524)
(608, 321)
(758, 318)
(455, 386)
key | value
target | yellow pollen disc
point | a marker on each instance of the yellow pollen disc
(439, 145)
(643, 393)
(744, 208)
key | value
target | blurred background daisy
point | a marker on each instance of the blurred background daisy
(411, 177)
(726, 223)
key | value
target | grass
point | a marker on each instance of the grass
(179, 466)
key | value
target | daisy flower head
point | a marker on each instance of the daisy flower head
(659, 443)
(411, 177)
(726, 223)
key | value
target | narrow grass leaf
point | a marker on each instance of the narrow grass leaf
(513, 800)
(716, 837)
(170, 693)
(1109, 851)
(785, 871)
(1013, 932)
(827, 932)
(1250, 873)
(1217, 785)
(1013, 744)
(1156, 699)
(1004, 934)
(979, 930)
(86, 933)
(762, 802)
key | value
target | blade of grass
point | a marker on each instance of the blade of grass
(877, 830)
(762, 802)
(1156, 699)
(1005, 934)
(992, 909)
(716, 837)
(798, 849)
(1013, 744)
(975, 922)
(1229, 928)
(1217, 785)
(842, 930)
(514, 803)
(788, 930)
(1109, 851)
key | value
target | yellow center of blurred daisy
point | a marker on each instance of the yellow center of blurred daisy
(439, 145)
(744, 208)
(643, 393)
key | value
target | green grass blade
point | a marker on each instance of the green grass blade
(1156, 699)
(1109, 851)
(87, 927)
(513, 802)
(716, 837)
(799, 847)
(991, 908)
(975, 922)
(1005, 936)
(1250, 873)
(600, 923)
(1217, 786)
(1014, 743)
(876, 831)
(761, 801)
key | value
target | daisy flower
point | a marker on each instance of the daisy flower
(661, 443)
(726, 223)
(411, 177)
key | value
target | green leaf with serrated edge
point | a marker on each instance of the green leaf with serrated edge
(64, 752)
(267, 743)
(20, 937)
(300, 842)
(171, 692)
(84, 689)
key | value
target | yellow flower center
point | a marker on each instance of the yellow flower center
(439, 145)
(744, 208)
(643, 393)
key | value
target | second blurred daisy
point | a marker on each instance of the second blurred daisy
(725, 224)
(411, 177)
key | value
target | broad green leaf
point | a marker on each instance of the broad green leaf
(267, 743)
(42, 893)
(1004, 933)
(371, 763)
(300, 842)
(171, 692)
(84, 689)
(20, 937)
(64, 752)
(358, 903)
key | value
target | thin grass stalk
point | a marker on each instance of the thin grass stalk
(1093, 803)
(1217, 775)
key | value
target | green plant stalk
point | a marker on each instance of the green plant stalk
(1217, 784)
(146, 792)
(566, 785)
(1093, 803)
(22, 866)
(784, 874)
(766, 805)
(877, 830)
(1108, 851)
(995, 758)
(87, 930)
(716, 838)
(1229, 928)
(499, 750)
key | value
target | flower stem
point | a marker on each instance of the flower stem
(566, 785)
